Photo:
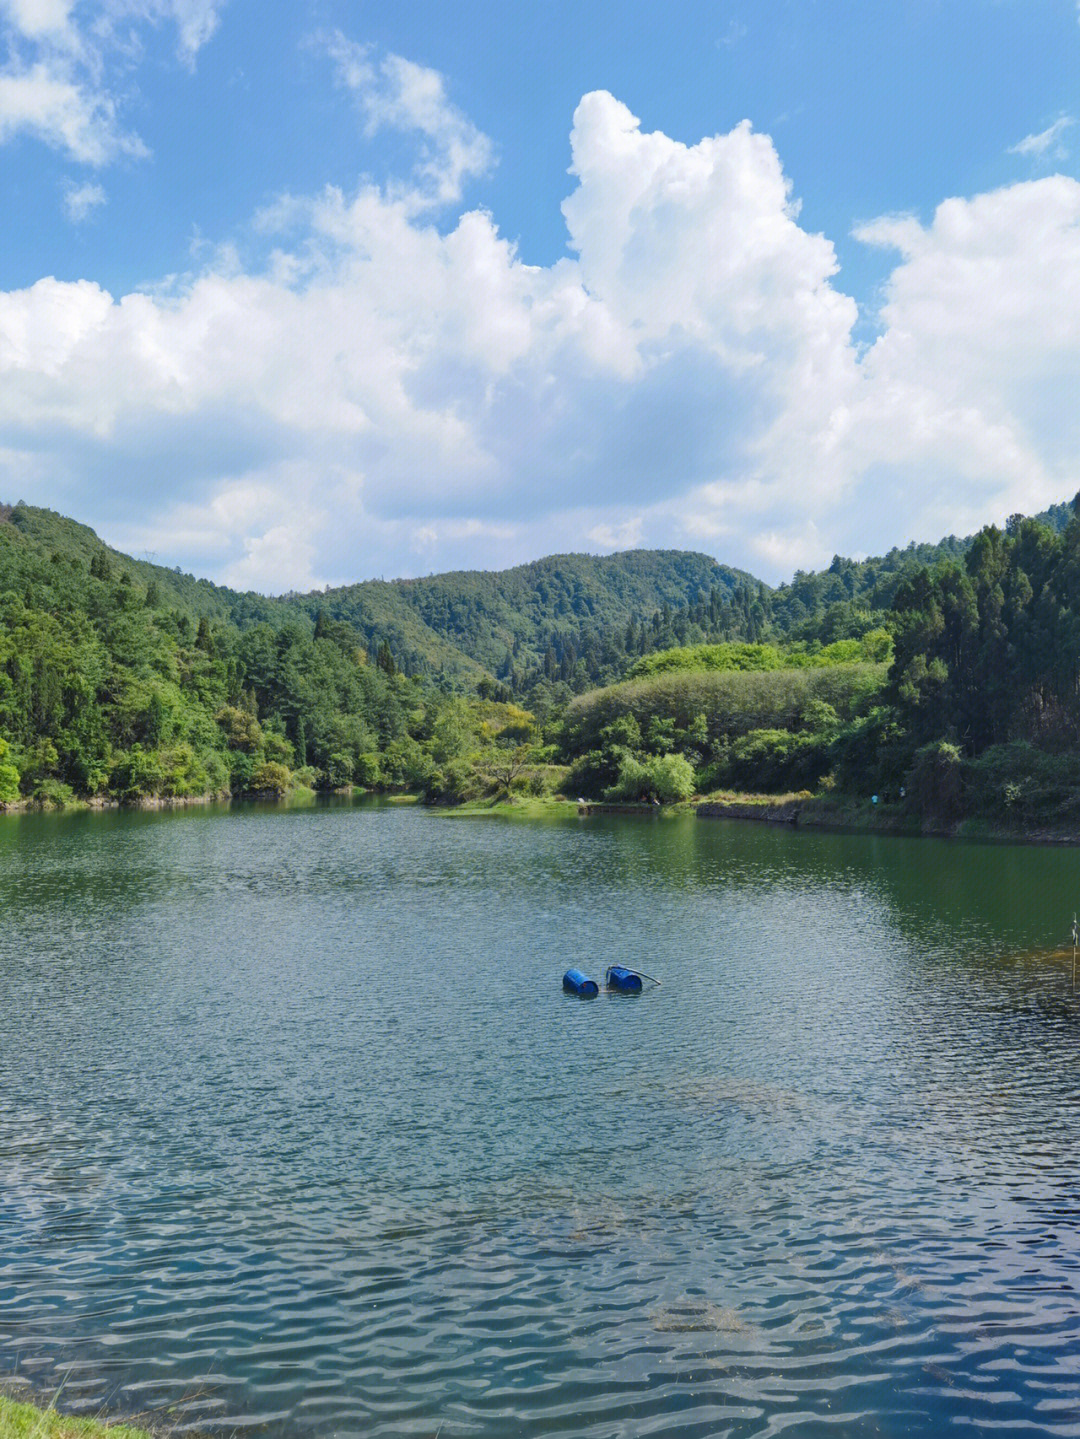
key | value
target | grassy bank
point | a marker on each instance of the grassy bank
(296, 795)
(837, 811)
(27, 1421)
(523, 807)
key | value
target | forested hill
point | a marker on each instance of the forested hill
(120, 677)
(455, 626)
(578, 619)
(509, 620)
(29, 535)
(462, 623)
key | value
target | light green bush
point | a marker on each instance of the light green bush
(732, 702)
(668, 778)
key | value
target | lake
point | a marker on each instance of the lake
(298, 1132)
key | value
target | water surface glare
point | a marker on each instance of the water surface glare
(299, 1134)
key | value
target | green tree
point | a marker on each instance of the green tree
(9, 775)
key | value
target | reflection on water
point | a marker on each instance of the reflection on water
(298, 1131)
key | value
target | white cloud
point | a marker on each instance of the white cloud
(398, 94)
(44, 102)
(387, 395)
(196, 21)
(279, 559)
(1047, 144)
(622, 536)
(976, 372)
(34, 18)
(735, 32)
(80, 201)
(60, 80)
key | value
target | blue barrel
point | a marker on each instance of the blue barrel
(574, 982)
(626, 981)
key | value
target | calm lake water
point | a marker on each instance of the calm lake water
(298, 1133)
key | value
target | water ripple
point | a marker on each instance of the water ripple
(298, 1134)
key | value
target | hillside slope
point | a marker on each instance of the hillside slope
(488, 615)
(454, 625)
(461, 624)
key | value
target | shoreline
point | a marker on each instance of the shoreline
(25, 1414)
(857, 816)
(110, 804)
(798, 811)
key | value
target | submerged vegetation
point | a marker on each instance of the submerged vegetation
(942, 680)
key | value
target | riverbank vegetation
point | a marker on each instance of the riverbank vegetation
(944, 680)
(27, 1421)
(961, 707)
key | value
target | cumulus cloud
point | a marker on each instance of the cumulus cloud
(34, 18)
(59, 80)
(387, 395)
(975, 375)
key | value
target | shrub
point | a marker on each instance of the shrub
(875, 647)
(277, 747)
(405, 763)
(708, 657)
(52, 794)
(935, 779)
(455, 783)
(270, 777)
(339, 770)
(667, 778)
(775, 761)
(545, 779)
(595, 771)
(241, 768)
(1019, 780)
(137, 773)
(632, 781)
(672, 777)
(184, 772)
(217, 773)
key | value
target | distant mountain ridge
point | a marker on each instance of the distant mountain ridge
(491, 614)
(462, 624)
(458, 624)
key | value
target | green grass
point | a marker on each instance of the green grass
(551, 807)
(521, 806)
(27, 1421)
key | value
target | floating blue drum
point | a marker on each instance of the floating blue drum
(574, 982)
(625, 981)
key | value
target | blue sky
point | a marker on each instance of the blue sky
(298, 294)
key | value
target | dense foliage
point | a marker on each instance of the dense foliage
(986, 679)
(105, 689)
(766, 729)
(977, 715)
(944, 676)
(120, 677)
(874, 647)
